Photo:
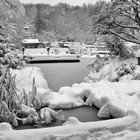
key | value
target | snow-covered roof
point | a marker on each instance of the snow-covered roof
(30, 41)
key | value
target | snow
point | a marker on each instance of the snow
(30, 41)
(112, 71)
(31, 52)
(24, 79)
(5, 127)
(71, 128)
(88, 56)
(118, 99)
(48, 115)
(138, 54)
(65, 102)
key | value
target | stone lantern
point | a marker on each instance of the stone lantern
(26, 28)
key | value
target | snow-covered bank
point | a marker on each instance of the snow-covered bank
(70, 128)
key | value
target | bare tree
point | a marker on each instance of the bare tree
(120, 18)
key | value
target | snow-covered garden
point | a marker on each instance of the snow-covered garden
(114, 90)
(113, 86)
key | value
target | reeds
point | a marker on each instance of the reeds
(12, 104)
(8, 98)
(10, 101)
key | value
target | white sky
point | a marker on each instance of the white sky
(54, 2)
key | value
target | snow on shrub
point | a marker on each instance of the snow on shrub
(115, 70)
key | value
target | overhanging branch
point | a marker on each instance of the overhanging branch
(132, 36)
(12, 6)
(137, 17)
(124, 26)
(123, 38)
(128, 16)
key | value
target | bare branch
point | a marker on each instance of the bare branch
(137, 17)
(12, 6)
(124, 26)
(132, 36)
(128, 16)
(126, 39)
(135, 2)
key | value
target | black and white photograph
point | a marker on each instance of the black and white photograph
(69, 69)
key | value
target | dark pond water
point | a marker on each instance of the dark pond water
(66, 74)
(84, 114)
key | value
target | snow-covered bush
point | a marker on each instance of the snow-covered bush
(114, 70)
(118, 48)
(9, 59)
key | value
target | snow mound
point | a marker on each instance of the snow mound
(5, 127)
(64, 102)
(113, 99)
(112, 108)
(72, 121)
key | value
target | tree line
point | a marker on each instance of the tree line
(62, 21)
(114, 23)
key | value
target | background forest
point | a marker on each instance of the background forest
(62, 22)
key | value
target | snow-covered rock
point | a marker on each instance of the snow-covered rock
(48, 115)
(62, 101)
(112, 108)
(5, 127)
(45, 116)
(72, 121)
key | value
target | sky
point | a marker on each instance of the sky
(54, 2)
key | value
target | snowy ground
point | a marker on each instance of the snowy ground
(118, 99)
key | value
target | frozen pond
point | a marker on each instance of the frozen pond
(84, 114)
(66, 74)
